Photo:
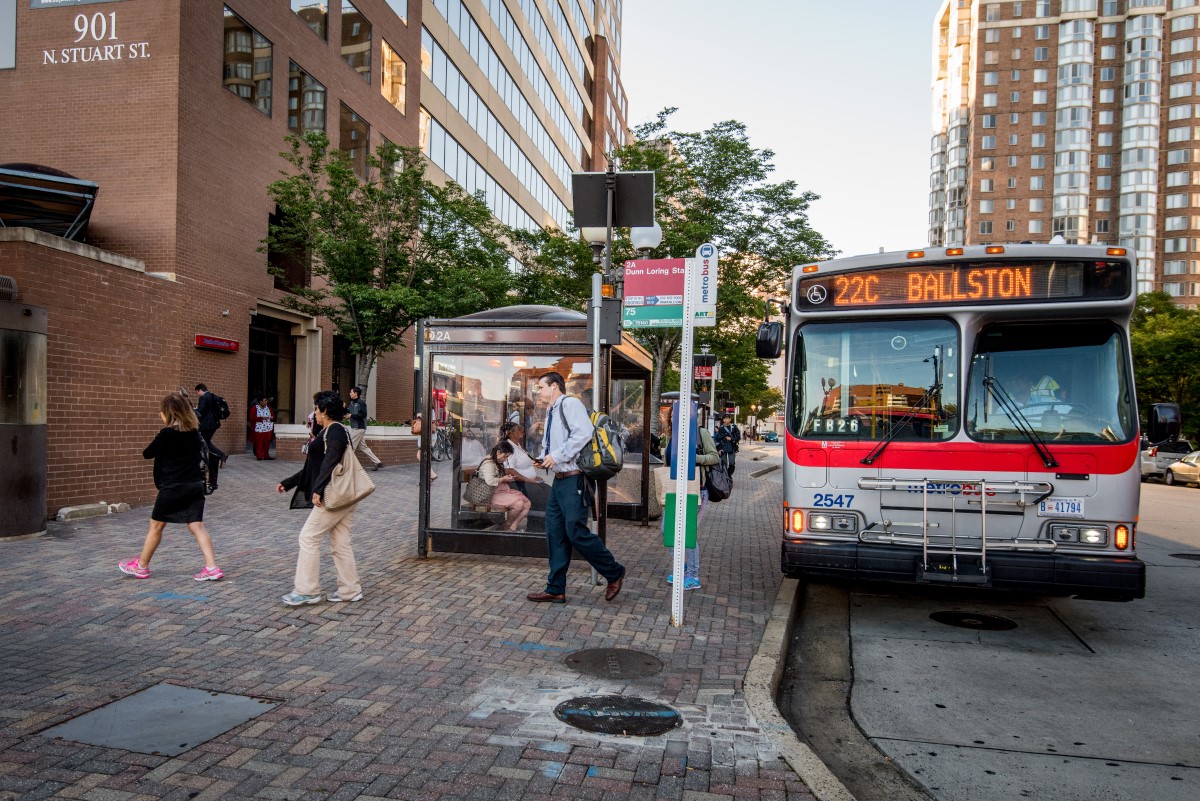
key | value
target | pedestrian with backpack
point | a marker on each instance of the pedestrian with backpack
(211, 409)
(568, 429)
(728, 437)
(179, 477)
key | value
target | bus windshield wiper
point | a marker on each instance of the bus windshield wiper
(1019, 419)
(898, 426)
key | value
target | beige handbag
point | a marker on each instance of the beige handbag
(349, 483)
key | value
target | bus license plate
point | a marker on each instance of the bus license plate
(1061, 507)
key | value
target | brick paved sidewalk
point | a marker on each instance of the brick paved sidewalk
(440, 685)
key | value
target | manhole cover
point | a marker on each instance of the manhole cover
(618, 714)
(1193, 556)
(164, 719)
(614, 663)
(974, 620)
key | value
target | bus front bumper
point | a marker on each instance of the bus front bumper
(1117, 578)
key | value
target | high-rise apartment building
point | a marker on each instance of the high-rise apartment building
(177, 110)
(1079, 118)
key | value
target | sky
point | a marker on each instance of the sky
(840, 91)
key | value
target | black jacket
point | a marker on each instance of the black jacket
(176, 456)
(324, 453)
(208, 412)
(728, 438)
(357, 409)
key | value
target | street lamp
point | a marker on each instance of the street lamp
(646, 239)
(596, 238)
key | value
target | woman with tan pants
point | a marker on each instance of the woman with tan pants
(324, 454)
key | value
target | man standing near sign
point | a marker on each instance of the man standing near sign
(569, 428)
(728, 437)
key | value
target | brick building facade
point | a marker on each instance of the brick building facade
(179, 114)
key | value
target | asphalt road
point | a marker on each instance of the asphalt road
(1081, 700)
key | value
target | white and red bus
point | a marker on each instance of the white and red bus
(964, 416)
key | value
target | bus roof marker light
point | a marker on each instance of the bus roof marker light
(916, 254)
(992, 250)
(1115, 252)
(954, 251)
(808, 268)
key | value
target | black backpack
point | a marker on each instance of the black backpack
(222, 407)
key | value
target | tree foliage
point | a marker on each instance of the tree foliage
(715, 186)
(389, 250)
(1166, 349)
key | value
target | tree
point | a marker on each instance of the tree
(389, 250)
(1166, 348)
(713, 186)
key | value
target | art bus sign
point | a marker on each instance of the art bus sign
(654, 290)
(97, 36)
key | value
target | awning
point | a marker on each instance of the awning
(45, 199)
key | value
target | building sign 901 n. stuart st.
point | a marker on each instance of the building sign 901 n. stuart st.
(97, 38)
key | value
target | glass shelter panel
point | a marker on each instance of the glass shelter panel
(868, 381)
(472, 398)
(1067, 382)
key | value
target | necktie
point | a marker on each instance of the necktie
(549, 424)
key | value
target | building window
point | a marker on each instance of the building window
(1036, 204)
(1109, 29)
(1014, 118)
(1016, 32)
(306, 101)
(1179, 156)
(1014, 140)
(1041, 32)
(1035, 226)
(989, 120)
(1108, 73)
(1108, 52)
(987, 142)
(1012, 182)
(1040, 97)
(1039, 118)
(356, 40)
(291, 265)
(1041, 75)
(1010, 225)
(1016, 9)
(1177, 201)
(1041, 53)
(1037, 183)
(1104, 161)
(1181, 67)
(985, 185)
(991, 36)
(1015, 75)
(989, 99)
(1104, 204)
(985, 227)
(1016, 54)
(1011, 204)
(1179, 134)
(1108, 95)
(1179, 223)
(393, 77)
(1103, 182)
(993, 12)
(1104, 139)
(247, 70)
(985, 206)
(1105, 118)
(313, 15)
(1182, 45)
(1102, 226)
(1038, 140)
(991, 78)
(1179, 112)
(1184, 23)
(1037, 162)
(1041, 8)
(401, 9)
(991, 57)
(1180, 90)
(355, 139)
(1178, 178)
(1012, 161)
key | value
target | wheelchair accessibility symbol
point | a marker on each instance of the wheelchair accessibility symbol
(817, 295)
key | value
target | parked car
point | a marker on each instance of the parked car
(1157, 458)
(770, 436)
(1184, 471)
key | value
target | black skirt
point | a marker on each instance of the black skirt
(181, 503)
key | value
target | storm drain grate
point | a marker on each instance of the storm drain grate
(618, 714)
(973, 620)
(164, 719)
(1193, 556)
(614, 663)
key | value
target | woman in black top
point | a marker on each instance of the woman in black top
(178, 475)
(325, 453)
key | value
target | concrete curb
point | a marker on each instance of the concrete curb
(763, 471)
(760, 686)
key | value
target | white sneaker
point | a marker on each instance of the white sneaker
(334, 598)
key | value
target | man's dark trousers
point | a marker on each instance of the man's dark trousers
(215, 455)
(567, 526)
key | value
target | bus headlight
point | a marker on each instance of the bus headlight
(1084, 534)
(824, 521)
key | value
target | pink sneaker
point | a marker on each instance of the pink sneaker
(209, 574)
(132, 568)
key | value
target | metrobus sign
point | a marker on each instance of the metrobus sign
(654, 291)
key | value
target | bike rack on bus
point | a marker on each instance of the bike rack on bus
(953, 548)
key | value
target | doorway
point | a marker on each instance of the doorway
(273, 365)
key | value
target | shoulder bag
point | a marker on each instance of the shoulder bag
(718, 483)
(349, 483)
(478, 491)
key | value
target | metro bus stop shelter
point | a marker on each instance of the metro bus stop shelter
(481, 371)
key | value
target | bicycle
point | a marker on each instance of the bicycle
(440, 448)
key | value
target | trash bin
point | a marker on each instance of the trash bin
(23, 434)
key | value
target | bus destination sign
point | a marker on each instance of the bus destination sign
(968, 283)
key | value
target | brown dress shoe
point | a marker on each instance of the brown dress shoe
(546, 598)
(613, 588)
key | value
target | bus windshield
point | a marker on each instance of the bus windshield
(1068, 383)
(869, 381)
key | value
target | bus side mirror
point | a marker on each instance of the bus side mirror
(770, 340)
(1165, 422)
